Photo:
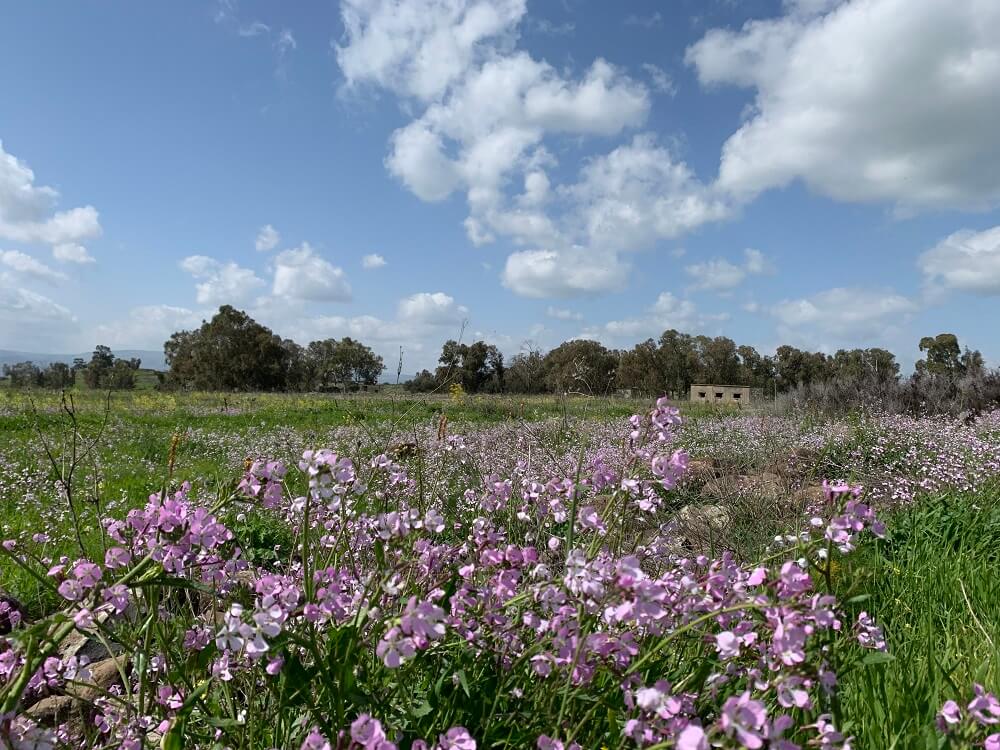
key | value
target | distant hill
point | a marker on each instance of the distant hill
(152, 360)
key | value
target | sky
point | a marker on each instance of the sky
(819, 173)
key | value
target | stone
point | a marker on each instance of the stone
(104, 675)
(706, 518)
(797, 463)
(55, 710)
(766, 485)
(700, 471)
(809, 496)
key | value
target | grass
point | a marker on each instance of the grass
(934, 585)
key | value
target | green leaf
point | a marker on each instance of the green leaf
(877, 657)
(422, 710)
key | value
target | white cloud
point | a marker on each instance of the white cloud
(562, 314)
(31, 321)
(22, 306)
(26, 265)
(427, 308)
(222, 283)
(489, 111)
(149, 326)
(564, 273)
(966, 261)
(720, 275)
(846, 311)
(639, 193)
(867, 100)
(661, 79)
(267, 238)
(302, 274)
(27, 211)
(419, 48)
(372, 261)
(71, 252)
(668, 311)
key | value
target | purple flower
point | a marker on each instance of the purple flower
(744, 718)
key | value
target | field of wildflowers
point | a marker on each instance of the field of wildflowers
(297, 572)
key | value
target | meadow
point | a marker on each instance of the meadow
(388, 571)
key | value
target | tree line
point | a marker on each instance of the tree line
(104, 370)
(676, 361)
(233, 352)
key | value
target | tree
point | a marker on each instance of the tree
(121, 375)
(679, 359)
(581, 366)
(756, 370)
(862, 364)
(107, 371)
(345, 363)
(720, 363)
(423, 382)
(795, 367)
(101, 362)
(23, 375)
(526, 372)
(640, 369)
(230, 352)
(58, 375)
(477, 367)
(943, 355)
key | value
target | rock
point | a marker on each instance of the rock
(81, 644)
(767, 485)
(700, 471)
(55, 710)
(809, 496)
(706, 518)
(798, 462)
(104, 675)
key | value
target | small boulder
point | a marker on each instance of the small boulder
(55, 710)
(700, 471)
(705, 518)
(767, 485)
(104, 675)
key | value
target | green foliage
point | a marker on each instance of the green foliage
(934, 585)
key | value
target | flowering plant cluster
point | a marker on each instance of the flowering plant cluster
(506, 607)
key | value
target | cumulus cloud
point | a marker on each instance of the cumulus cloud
(564, 273)
(418, 48)
(27, 210)
(148, 326)
(221, 283)
(867, 100)
(720, 275)
(431, 308)
(267, 238)
(372, 261)
(966, 261)
(489, 113)
(301, 273)
(640, 193)
(71, 252)
(846, 311)
(667, 311)
(27, 266)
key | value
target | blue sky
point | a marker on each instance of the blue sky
(811, 172)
